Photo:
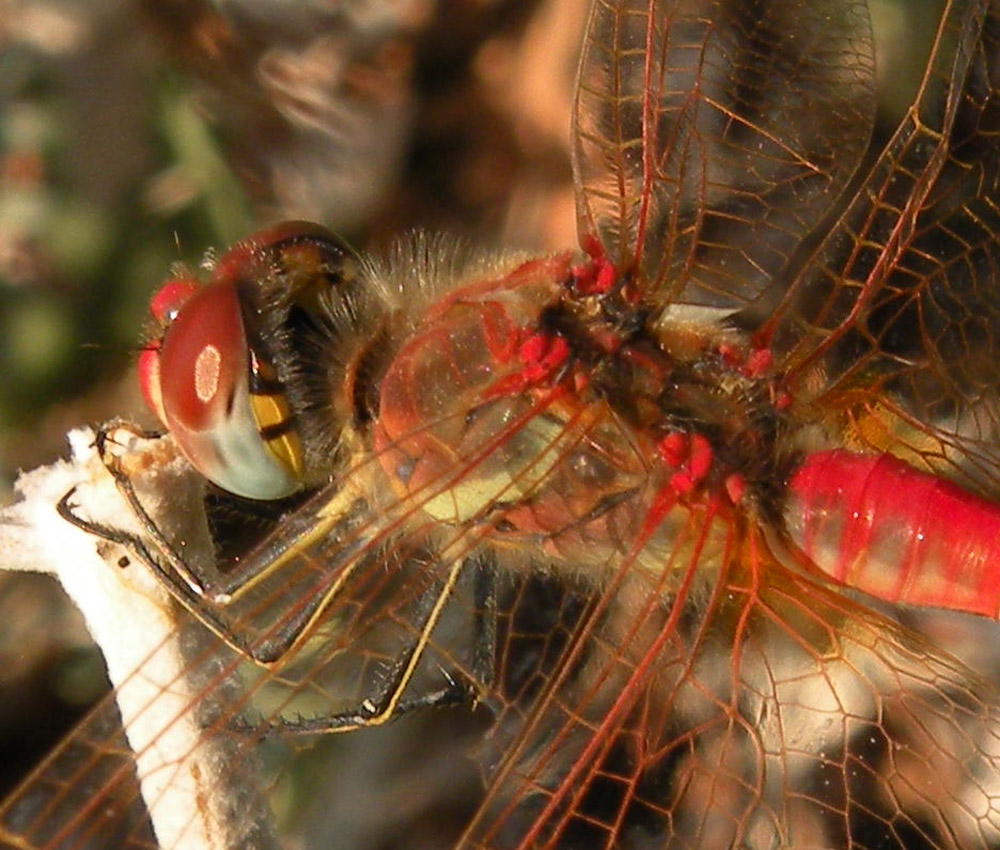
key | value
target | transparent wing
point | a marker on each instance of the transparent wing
(744, 706)
(899, 299)
(712, 138)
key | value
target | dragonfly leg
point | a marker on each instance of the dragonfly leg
(204, 596)
(194, 584)
(191, 594)
(453, 693)
(484, 623)
(388, 701)
(208, 604)
(167, 565)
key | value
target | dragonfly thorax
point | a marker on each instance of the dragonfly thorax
(529, 407)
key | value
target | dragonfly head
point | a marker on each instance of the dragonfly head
(212, 375)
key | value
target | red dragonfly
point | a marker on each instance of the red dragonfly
(652, 506)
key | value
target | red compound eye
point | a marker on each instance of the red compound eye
(222, 404)
(169, 298)
(164, 307)
(212, 383)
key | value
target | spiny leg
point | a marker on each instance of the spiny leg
(208, 601)
(388, 701)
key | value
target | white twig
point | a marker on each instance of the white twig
(131, 619)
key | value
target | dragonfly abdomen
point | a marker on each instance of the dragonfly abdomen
(876, 524)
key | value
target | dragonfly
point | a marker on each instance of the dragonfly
(652, 510)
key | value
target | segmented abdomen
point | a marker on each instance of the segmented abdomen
(879, 525)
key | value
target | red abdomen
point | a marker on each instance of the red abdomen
(879, 525)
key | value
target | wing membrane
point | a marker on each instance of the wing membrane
(757, 710)
(93, 776)
(901, 296)
(711, 138)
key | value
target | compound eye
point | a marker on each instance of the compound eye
(164, 307)
(223, 405)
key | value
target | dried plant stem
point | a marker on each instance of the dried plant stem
(131, 619)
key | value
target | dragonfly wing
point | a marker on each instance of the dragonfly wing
(887, 328)
(753, 709)
(54, 808)
(710, 139)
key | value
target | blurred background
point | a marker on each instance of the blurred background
(135, 136)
